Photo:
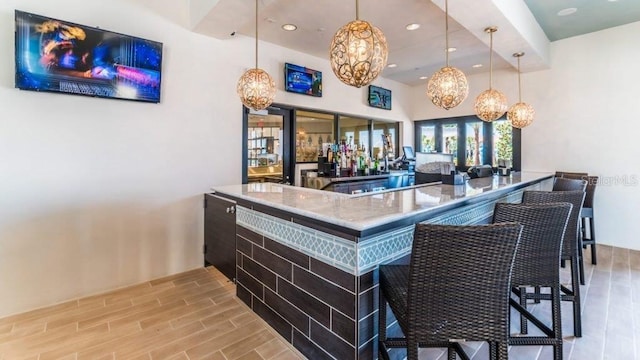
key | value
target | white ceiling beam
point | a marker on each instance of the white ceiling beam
(517, 29)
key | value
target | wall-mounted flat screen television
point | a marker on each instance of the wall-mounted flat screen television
(301, 80)
(379, 97)
(60, 56)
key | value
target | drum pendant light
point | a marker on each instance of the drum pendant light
(491, 104)
(448, 87)
(358, 52)
(255, 87)
(520, 114)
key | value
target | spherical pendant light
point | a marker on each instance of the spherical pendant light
(256, 87)
(520, 114)
(491, 104)
(358, 52)
(448, 87)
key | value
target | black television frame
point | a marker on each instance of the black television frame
(379, 97)
(60, 56)
(290, 68)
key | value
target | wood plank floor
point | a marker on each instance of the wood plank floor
(195, 315)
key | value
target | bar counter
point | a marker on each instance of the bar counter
(306, 259)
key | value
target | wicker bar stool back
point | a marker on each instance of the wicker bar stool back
(569, 245)
(435, 298)
(566, 184)
(537, 263)
(587, 214)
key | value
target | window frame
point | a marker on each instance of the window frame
(487, 143)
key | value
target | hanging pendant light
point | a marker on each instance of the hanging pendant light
(448, 87)
(358, 52)
(520, 114)
(255, 87)
(491, 104)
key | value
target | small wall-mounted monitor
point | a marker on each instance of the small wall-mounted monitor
(379, 97)
(408, 153)
(301, 80)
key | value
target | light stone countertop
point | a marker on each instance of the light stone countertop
(364, 211)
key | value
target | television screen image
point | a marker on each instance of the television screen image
(299, 79)
(60, 56)
(379, 97)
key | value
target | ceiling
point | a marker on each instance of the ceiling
(524, 25)
(590, 15)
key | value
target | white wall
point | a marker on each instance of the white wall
(586, 120)
(98, 194)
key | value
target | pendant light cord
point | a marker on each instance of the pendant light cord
(446, 30)
(491, 60)
(256, 34)
(357, 10)
(519, 82)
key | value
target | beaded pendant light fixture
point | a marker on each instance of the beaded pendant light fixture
(491, 104)
(520, 114)
(255, 87)
(448, 87)
(358, 52)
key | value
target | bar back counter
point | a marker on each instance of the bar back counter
(306, 260)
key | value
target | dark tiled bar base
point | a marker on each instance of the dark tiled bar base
(291, 280)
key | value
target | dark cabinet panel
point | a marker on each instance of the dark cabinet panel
(220, 234)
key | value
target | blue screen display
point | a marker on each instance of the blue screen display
(301, 80)
(59, 56)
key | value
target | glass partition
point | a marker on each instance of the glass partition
(502, 141)
(450, 140)
(264, 148)
(381, 128)
(474, 143)
(354, 131)
(313, 131)
(428, 138)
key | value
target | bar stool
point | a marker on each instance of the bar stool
(435, 298)
(587, 214)
(569, 247)
(537, 264)
(567, 184)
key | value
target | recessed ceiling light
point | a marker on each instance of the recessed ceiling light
(413, 26)
(451, 49)
(613, 0)
(567, 11)
(423, 77)
(392, 65)
(476, 66)
(289, 27)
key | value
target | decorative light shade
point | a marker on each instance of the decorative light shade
(256, 89)
(520, 114)
(358, 52)
(448, 87)
(490, 104)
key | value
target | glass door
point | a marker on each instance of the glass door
(266, 146)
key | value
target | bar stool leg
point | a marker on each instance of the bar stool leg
(592, 234)
(575, 278)
(523, 302)
(557, 321)
(581, 263)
